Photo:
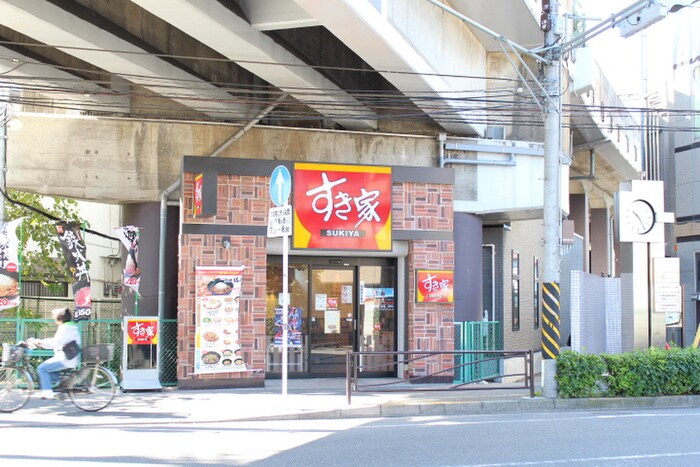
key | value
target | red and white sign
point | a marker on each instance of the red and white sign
(142, 331)
(435, 286)
(198, 187)
(342, 207)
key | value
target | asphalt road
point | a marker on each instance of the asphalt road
(591, 438)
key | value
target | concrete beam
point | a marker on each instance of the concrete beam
(216, 26)
(60, 88)
(124, 161)
(50, 24)
(418, 50)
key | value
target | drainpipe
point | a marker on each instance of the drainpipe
(442, 137)
(492, 247)
(171, 189)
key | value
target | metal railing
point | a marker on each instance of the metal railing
(436, 370)
(96, 331)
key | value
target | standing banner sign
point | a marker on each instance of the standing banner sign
(217, 342)
(74, 251)
(129, 236)
(9, 264)
(140, 368)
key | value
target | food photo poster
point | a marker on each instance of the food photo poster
(217, 342)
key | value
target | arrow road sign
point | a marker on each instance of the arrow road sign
(280, 185)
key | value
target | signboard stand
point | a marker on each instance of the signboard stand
(140, 366)
(280, 224)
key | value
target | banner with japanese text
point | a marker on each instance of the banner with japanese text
(141, 330)
(217, 333)
(197, 195)
(74, 251)
(342, 207)
(434, 286)
(9, 264)
(129, 236)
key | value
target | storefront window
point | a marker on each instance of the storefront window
(298, 279)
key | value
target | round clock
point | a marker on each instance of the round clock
(640, 217)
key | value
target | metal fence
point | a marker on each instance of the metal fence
(522, 376)
(477, 337)
(96, 331)
(40, 307)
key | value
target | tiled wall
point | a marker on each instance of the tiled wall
(595, 313)
(430, 325)
(244, 200)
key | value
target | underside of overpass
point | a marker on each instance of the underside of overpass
(112, 94)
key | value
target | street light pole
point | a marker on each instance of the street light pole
(551, 206)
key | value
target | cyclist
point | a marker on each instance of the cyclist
(66, 332)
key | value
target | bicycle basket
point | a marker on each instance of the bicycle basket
(98, 353)
(12, 353)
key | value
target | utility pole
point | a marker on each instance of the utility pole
(552, 195)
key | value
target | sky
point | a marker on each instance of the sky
(631, 72)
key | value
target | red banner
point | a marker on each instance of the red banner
(434, 286)
(198, 187)
(342, 207)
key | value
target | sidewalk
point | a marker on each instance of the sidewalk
(309, 399)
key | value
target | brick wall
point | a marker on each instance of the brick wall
(242, 201)
(430, 325)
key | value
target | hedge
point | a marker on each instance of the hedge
(641, 373)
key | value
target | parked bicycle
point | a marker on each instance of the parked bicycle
(91, 387)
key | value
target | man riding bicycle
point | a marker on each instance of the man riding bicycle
(66, 333)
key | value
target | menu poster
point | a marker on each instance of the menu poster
(331, 324)
(294, 322)
(217, 343)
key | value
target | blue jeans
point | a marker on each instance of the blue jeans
(48, 373)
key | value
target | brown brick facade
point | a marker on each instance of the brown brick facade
(245, 201)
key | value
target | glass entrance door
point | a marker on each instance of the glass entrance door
(332, 319)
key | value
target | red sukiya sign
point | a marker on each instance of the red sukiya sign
(141, 331)
(198, 186)
(342, 207)
(434, 286)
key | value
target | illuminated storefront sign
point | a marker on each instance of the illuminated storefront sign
(434, 286)
(197, 195)
(342, 207)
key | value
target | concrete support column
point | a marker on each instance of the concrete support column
(600, 242)
(579, 214)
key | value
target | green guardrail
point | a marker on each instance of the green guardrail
(96, 331)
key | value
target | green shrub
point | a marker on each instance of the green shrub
(640, 373)
(579, 375)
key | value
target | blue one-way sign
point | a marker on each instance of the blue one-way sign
(280, 185)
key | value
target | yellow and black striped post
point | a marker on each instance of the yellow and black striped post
(550, 320)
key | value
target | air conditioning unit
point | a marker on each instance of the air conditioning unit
(495, 132)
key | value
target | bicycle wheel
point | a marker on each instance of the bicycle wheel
(92, 388)
(16, 387)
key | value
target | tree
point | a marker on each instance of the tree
(42, 257)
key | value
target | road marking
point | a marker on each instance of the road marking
(587, 459)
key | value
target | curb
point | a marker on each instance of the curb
(525, 405)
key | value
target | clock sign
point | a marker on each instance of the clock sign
(639, 217)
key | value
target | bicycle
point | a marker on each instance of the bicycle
(91, 387)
